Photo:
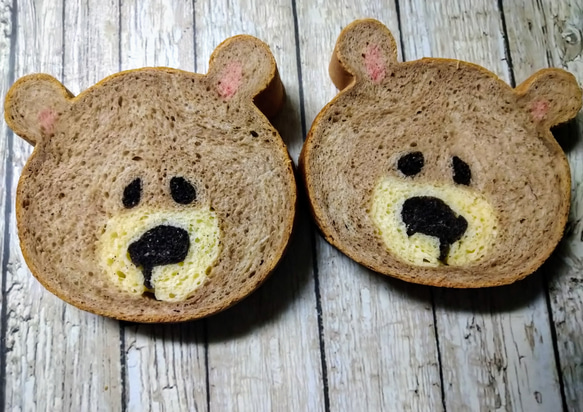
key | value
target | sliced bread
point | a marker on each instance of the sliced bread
(156, 195)
(435, 171)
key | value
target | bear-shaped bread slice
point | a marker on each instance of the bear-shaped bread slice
(156, 195)
(435, 171)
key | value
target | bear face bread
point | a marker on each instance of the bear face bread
(156, 195)
(435, 171)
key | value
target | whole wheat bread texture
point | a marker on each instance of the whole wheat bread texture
(435, 171)
(163, 143)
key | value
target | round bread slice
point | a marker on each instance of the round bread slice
(435, 171)
(156, 195)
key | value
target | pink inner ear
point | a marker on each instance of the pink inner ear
(374, 63)
(539, 109)
(47, 119)
(230, 80)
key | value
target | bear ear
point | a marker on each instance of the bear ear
(33, 104)
(551, 96)
(365, 49)
(243, 66)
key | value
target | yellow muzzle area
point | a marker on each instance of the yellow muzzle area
(388, 198)
(172, 282)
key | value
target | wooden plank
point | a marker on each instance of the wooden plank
(165, 368)
(91, 42)
(543, 34)
(6, 78)
(264, 352)
(7, 40)
(494, 343)
(157, 33)
(58, 358)
(379, 335)
(165, 364)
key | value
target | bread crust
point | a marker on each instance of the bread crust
(347, 78)
(268, 99)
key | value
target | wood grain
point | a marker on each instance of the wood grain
(58, 358)
(494, 342)
(264, 353)
(157, 33)
(6, 135)
(7, 40)
(165, 368)
(379, 335)
(548, 34)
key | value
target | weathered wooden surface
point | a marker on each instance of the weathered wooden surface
(6, 78)
(323, 333)
(559, 44)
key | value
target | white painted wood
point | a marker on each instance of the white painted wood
(543, 34)
(5, 79)
(58, 358)
(380, 344)
(6, 73)
(165, 364)
(91, 42)
(157, 33)
(264, 352)
(495, 343)
(165, 367)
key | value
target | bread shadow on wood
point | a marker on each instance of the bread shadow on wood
(287, 123)
(276, 296)
(415, 293)
(174, 333)
(567, 134)
(494, 300)
(500, 299)
(295, 269)
(491, 301)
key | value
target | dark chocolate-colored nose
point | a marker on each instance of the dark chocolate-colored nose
(162, 245)
(433, 217)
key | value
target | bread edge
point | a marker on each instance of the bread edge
(273, 85)
(342, 72)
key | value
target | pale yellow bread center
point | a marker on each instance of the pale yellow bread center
(173, 282)
(419, 249)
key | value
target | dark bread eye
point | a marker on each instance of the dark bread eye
(411, 163)
(182, 191)
(462, 174)
(132, 194)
